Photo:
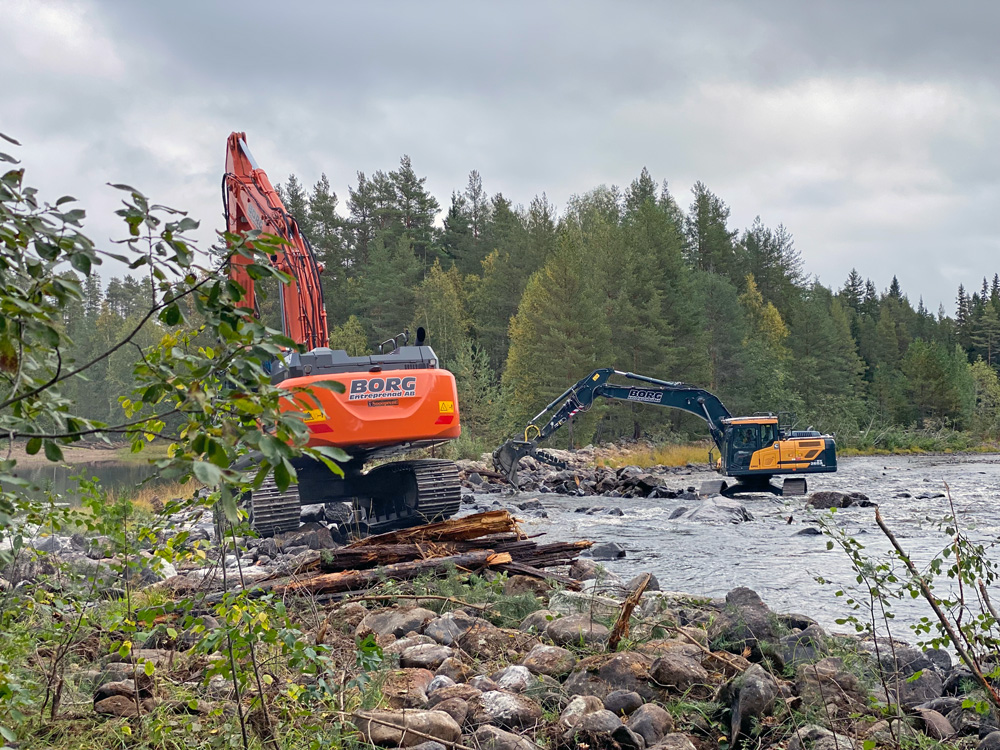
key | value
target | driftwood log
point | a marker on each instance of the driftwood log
(452, 530)
(354, 580)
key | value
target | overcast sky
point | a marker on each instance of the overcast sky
(869, 129)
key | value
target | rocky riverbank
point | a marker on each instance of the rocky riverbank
(506, 662)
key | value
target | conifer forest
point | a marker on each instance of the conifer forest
(522, 299)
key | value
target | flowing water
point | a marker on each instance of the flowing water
(767, 554)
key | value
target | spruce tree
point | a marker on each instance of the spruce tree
(557, 337)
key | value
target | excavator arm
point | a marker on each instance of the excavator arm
(580, 397)
(252, 203)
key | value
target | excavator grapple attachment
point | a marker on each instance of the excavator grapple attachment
(507, 457)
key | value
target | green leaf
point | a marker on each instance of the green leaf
(52, 451)
(149, 668)
(207, 473)
(34, 445)
(8, 734)
(81, 262)
(331, 385)
(868, 745)
(282, 477)
(171, 315)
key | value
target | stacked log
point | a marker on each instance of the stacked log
(485, 540)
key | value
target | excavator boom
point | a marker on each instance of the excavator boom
(752, 449)
(252, 203)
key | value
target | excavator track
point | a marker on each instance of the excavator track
(394, 496)
(273, 511)
(410, 493)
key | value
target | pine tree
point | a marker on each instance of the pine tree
(478, 394)
(416, 209)
(710, 242)
(771, 258)
(361, 223)
(327, 240)
(293, 195)
(895, 292)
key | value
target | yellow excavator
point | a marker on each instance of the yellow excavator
(752, 450)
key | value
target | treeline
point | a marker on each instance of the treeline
(520, 302)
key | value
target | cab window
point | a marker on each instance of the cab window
(767, 434)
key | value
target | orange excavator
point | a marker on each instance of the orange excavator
(394, 402)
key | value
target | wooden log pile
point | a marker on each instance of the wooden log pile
(485, 540)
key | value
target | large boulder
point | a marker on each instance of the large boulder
(448, 628)
(550, 660)
(803, 647)
(487, 642)
(827, 499)
(425, 656)
(506, 710)
(407, 688)
(746, 623)
(815, 737)
(394, 622)
(651, 722)
(828, 687)
(679, 670)
(390, 728)
(576, 630)
(715, 510)
(492, 738)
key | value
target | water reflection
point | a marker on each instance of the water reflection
(111, 476)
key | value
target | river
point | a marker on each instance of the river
(768, 554)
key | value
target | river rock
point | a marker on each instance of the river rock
(815, 737)
(397, 647)
(825, 685)
(439, 681)
(935, 726)
(716, 509)
(606, 551)
(388, 728)
(122, 707)
(537, 621)
(518, 585)
(425, 656)
(449, 627)
(464, 692)
(745, 623)
(514, 679)
(487, 642)
(651, 722)
(622, 702)
(506, 710)
(576, 630)
(407, 688)
(483, 683)
(602, 674)
(456, 708)
(312, 536)
(552, 661)
(395, 622)
(675, 741)
(600, 721)
(803, 647)
(679, 671)
(577, 602)
(827, 499)
(578, 707)
(125, 688)
(751, 696)
(494, 738)
(454, 668)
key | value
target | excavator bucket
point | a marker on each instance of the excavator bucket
(507, 457)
